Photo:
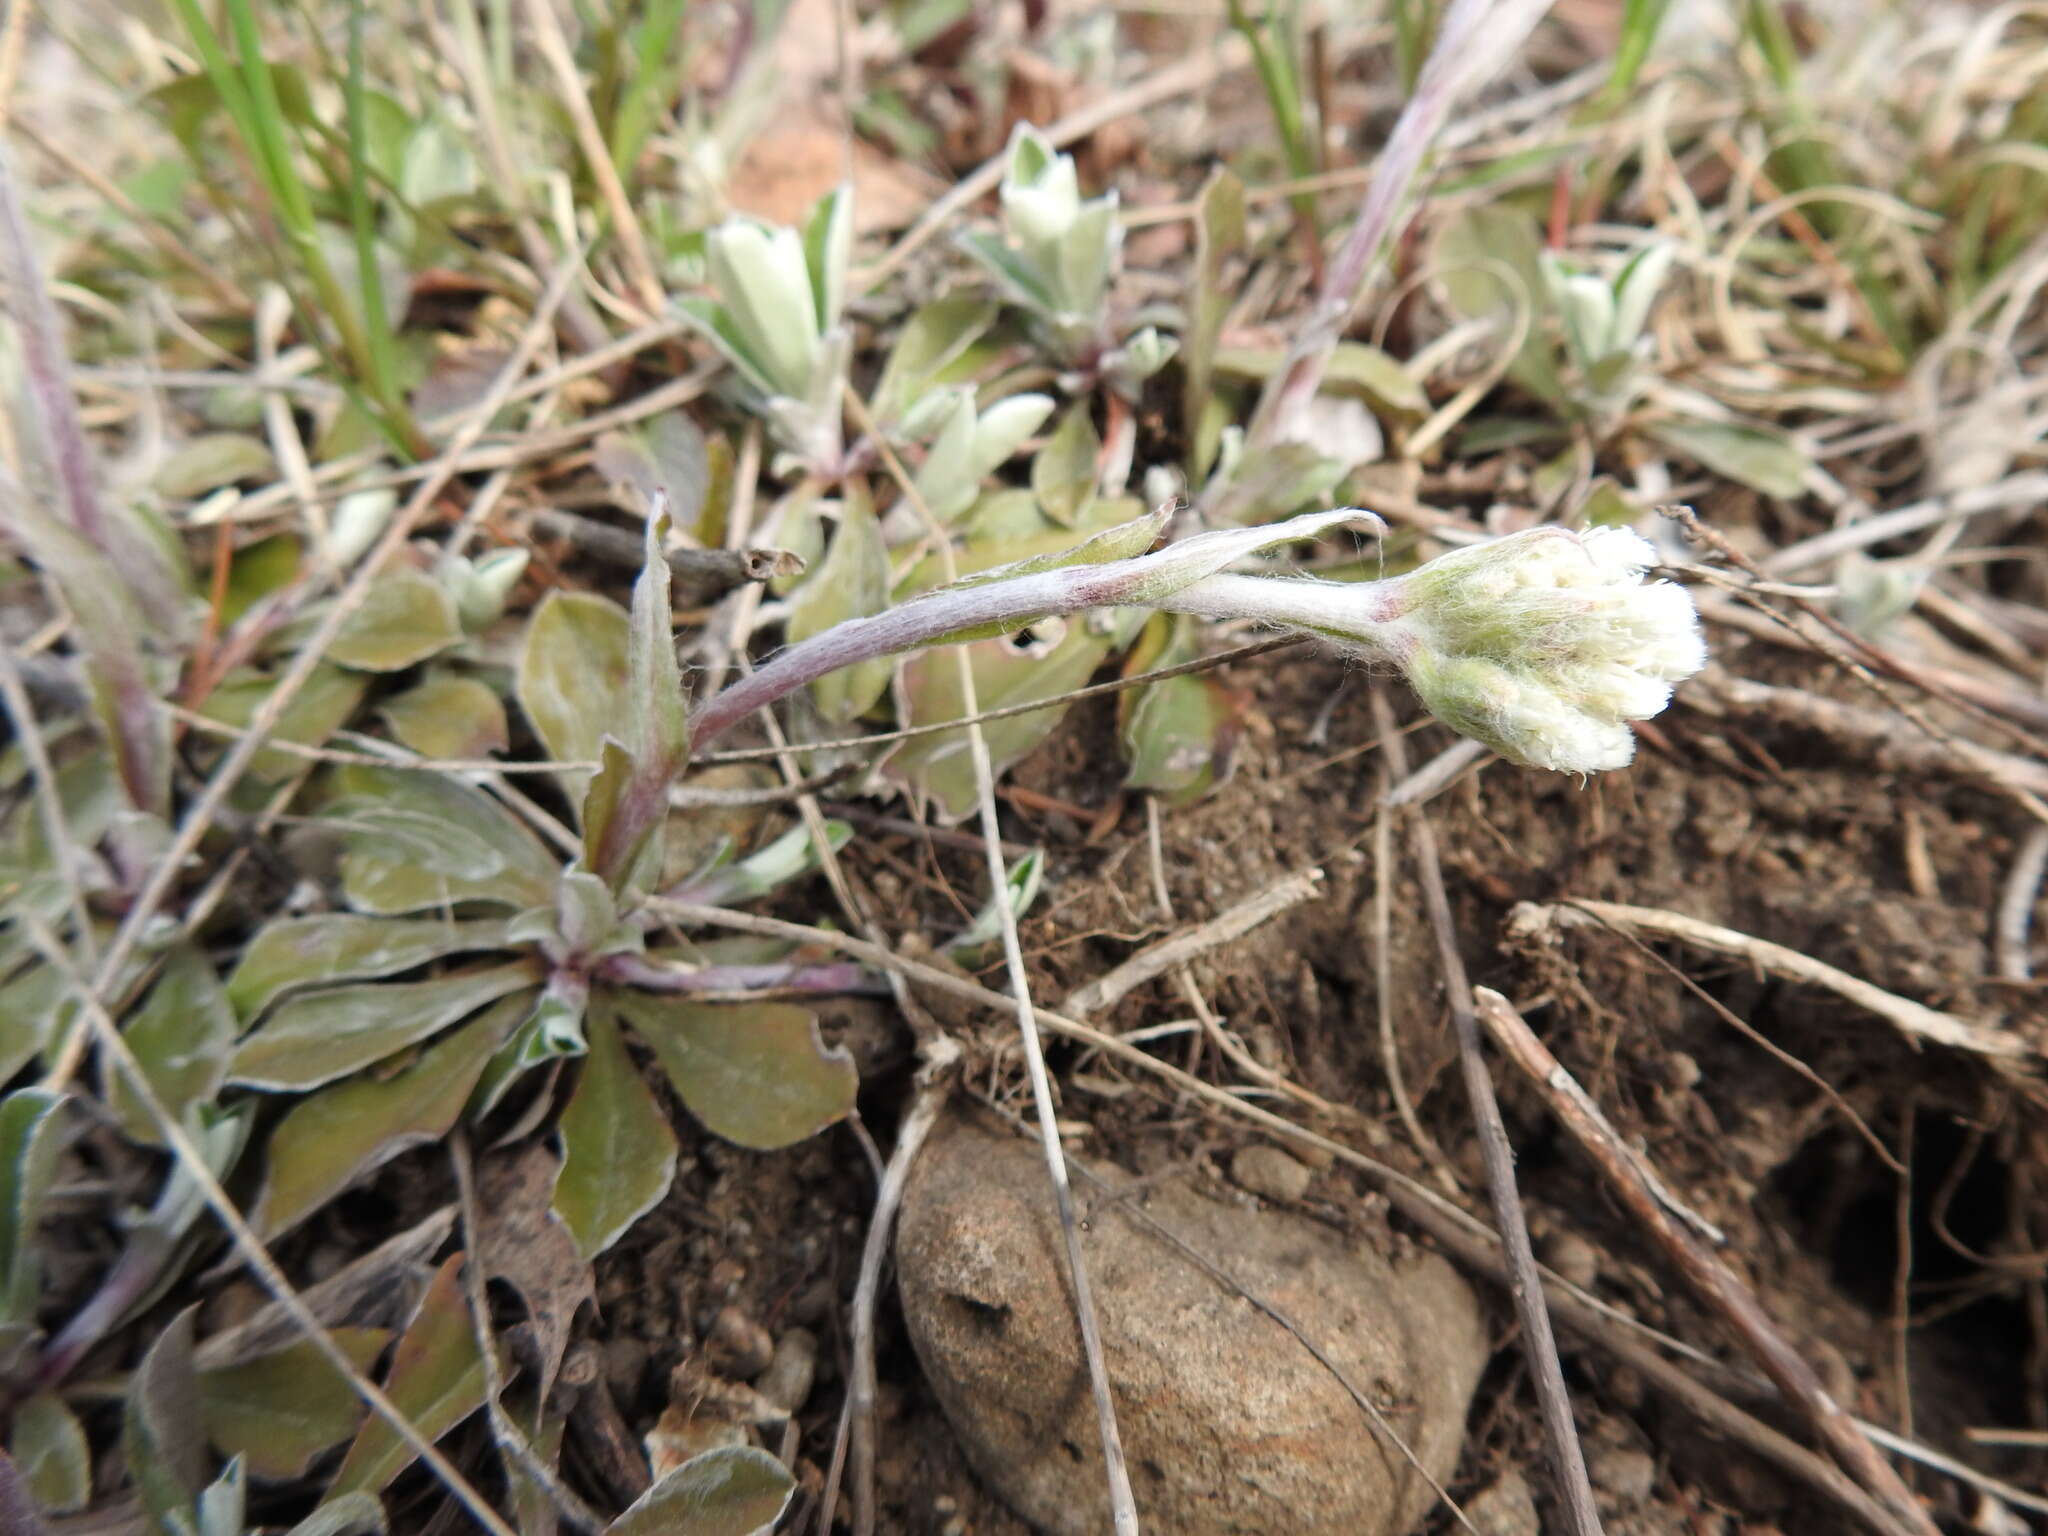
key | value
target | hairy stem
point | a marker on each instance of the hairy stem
(1359, 615)
(1473, 40)
(919, 622)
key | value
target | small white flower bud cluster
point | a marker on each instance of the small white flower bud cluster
(1544, 644)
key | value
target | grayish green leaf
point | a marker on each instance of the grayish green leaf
(1064, 472)
(418, 839)
(31, 1133)
(316, 712)
(927, 345)
(1762, 459)
(436, 1380)
(315, 1038)
(732, 1491)
(656, 734)
(445, 715)
(212, 460)
(181, 1037)
(48, 1447)
(618, 1152)
(334, 1138)
(406, 617)
(1219, 235)
(939, 765)
(279, 1411)
(339, 946)
(162, 1431)
(755, 1073)
(853, 581)
(790, 857)
(572, 677)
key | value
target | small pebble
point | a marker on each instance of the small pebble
(1573, 1258)
(787, 1381)
(1507, 1508)
(737, 1345)
(1681, 1071)
(1625, 1475)
(1269, 1173)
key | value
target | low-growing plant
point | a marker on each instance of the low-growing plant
(1056, 258)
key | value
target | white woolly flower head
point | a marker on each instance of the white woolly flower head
(1544, 644)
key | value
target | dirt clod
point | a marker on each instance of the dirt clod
(738, 1345)
(1228, 1422)
(1269, 1173)
(1505, 1508)
(1623, 1475)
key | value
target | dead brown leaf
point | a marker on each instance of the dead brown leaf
(523, 1243)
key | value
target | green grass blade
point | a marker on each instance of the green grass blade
(380, 352)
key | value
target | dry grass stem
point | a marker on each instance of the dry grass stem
(1916, 1021)
(1627, 1175)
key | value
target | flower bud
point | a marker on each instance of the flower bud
(1545, 643)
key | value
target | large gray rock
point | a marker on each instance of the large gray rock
(1228, 1423)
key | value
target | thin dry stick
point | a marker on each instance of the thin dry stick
(1713, 1282)
(1464, 1235)
(1123, 1504)
(1110, 988)
(273, 314)
(158, 233)
(115, 1051)
(1771, 1048)
(1914, 1020)
(64, 853)
(1184, 978)
(511, 1443)
(201, 816)
(1525, 1281)
(554, 49)
(1871, 730)
(466, 50)
(2016, 906)
(527, 449)
(1383, 955)
(934, 1084)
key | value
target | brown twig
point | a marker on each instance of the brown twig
(701, 575)
(1916, 1021)
(1871, 731)
(934, 1085)
(1108, 989)
(1712, 1281)
(1525, 1282)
